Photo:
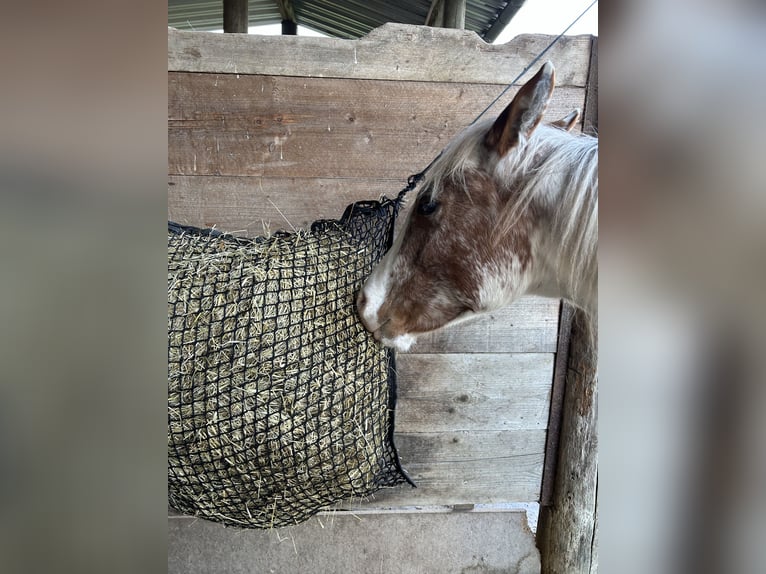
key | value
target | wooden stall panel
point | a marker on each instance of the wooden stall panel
(276, 132)
(255, 206)
(268, 133)
(390, 52)
(279, 126)
(530, 325)
(470, 429)
(491, 392)
(477, 467)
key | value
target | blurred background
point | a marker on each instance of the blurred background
(682, 269)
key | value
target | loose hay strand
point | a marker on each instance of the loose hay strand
(278, 399)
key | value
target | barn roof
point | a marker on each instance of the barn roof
(344, 18)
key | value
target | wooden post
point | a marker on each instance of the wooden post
(235, 16)
(454, 14)
(435, 17)
(567, 531)
(566, 312)
(568, 524)
(590, 111)
(289, 28)
(287, 12)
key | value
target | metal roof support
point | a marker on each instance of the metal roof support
(505, 16)
(235, 16)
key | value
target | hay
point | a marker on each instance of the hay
(278, 400)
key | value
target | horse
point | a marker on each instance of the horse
(510, 207)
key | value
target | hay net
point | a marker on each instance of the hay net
(279, 402)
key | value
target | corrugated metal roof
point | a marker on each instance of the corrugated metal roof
(343, 18)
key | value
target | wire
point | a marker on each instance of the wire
(533, 62)
(413, 180)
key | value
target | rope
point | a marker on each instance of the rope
(414, 180)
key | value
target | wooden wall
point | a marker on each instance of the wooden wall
(275, 132)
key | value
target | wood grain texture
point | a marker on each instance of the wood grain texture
(477, 467)
(566, 531)
(273, 126)
(529, 325)
(470, 429)
(235, 16)
(445, 393)
(558, 388)
(254, 206)
(390, 52)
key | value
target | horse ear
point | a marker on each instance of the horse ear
(567, 122)
(524, 113)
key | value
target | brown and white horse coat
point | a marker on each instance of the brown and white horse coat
(509, 208)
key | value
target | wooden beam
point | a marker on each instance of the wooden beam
(397, 52)
(567, 528)
(556, 403)
(454, 14)
(235, 16)
(288, 127)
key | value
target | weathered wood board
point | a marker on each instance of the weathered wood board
(257, 205)
(278, 126)
(478, 467)
(491, 392)
(470, 428)
(391, 52)
(568, 526)
(253, 117)
(268, 133)
(528, 326)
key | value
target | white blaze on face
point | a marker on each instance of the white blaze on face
(375, 290)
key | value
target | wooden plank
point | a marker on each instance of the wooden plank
(465, 468)
(590, 111)
(254, 206)
(392, 52)
(225, 124)
(566, 528)
(528, 326)
(556, 412)
(446, 393)
(347, 543)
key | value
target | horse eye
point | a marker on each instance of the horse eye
(427, 207)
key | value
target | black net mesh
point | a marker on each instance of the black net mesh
(279, 402)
